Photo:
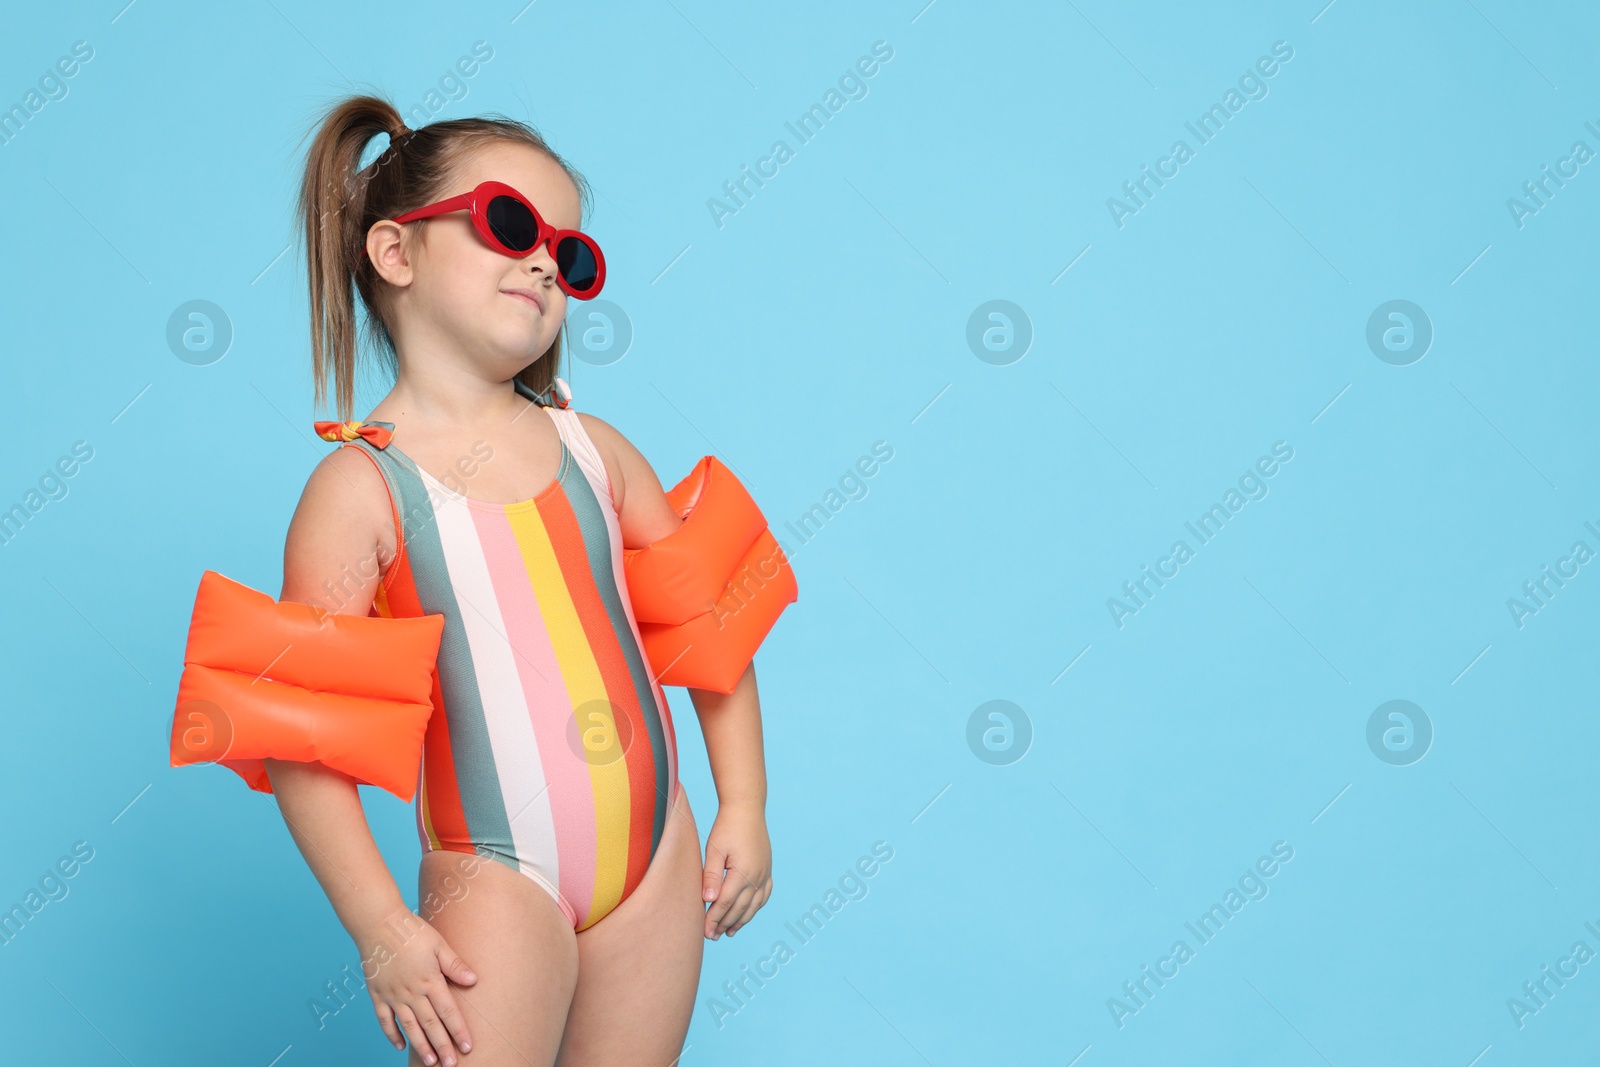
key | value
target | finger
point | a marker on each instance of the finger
(732, 886)
(757, 901)
(433, 1026)
(718, 911)
(387, 1024)
(741, 911)
(735, 920)
(454, 967)
(454, 1019)
(711, 877)
(748, 912)
(735, 886)
(414, 1034)
(727, 907)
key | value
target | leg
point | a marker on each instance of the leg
(520, 944)
(639, 967)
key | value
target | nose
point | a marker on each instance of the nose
(541, 259)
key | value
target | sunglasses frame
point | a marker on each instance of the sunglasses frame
(476, 203)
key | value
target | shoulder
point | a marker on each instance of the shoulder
(642, 507)
(602, 432)
(346, 481)
(343, 518)
(624, 463)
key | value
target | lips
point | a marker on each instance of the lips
(526, 296)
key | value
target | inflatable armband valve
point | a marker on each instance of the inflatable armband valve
(264, 679)
(706, 595)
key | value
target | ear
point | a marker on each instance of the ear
(386, 247)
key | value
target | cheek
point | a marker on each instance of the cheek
(464, 284)
(560, 304)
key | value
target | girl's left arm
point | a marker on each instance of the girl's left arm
(738, 841)
(737, 879)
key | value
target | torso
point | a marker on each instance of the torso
(551, 745)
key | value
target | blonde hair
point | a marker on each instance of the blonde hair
(339, 203)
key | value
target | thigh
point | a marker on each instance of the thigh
(515, 937)
(639, 967)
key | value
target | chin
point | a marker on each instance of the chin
(519, 345)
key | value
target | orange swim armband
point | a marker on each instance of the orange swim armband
(264, 679)
(706, 595)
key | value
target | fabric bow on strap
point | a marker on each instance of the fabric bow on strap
(379, 433)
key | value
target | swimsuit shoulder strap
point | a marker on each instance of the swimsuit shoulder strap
(372, 439)
(581, 445)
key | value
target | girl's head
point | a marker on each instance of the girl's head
(432, 285)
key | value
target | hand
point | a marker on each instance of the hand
(411, 987)
(738, 842)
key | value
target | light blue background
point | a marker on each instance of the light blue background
(828, 314)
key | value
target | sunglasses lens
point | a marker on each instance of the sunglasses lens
(512, 223)
(576, 263)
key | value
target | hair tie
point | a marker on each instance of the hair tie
(558, 394)
(396, 136)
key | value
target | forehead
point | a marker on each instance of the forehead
(528, 171)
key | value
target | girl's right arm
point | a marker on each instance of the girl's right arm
(342, 530)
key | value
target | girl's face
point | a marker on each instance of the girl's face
(457, 295)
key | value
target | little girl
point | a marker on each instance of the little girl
(572, 895)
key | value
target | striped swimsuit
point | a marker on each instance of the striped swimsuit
(551, 746)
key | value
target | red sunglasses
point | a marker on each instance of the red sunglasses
(510, 224)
